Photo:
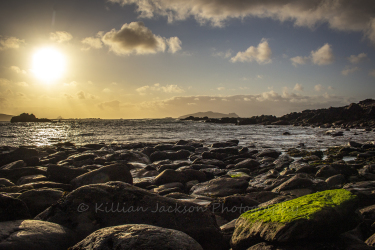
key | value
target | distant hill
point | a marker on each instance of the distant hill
(210, 114)
(5, 118)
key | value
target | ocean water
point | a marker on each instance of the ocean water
(171, 130)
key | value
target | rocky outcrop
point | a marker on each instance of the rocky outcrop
(137, 237)
(25, 117)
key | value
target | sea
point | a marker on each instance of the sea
(171, 130)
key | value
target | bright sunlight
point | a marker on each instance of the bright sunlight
(48, 64)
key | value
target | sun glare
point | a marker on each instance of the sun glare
(48, 64)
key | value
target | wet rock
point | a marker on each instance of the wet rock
(224, 144)
(171, 155)
(31, 179)
(192, 175)
(248, 163)
(297, 181)
(270, 153)
(5, 182)
(336, 180)
(12, 209)
(64, 174)
(41, 184)
(169, 188)
(137, 237)
(220, 187)
(129, 156)
(231, 207)
(38, 200)
(18, 154)
(113, 172)
(326, 171)
(82, 157)
(215, 162)
(84, 210)
(320, 215)
(14, 165)
(34, 235)
(169, 176)
(14, 174)
(371, 241)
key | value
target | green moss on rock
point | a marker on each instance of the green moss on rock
(304, 207)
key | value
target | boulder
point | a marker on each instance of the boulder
(12, 209)
(38, 200)
(5, 182)
(320, 215)
(114, 172)
(14, 165)
(297, 181)
(31, 178)
(248, 163)
(171, 155)
(14, 174)
(18, 154)
(129, 156)
(168, 176)
(41, 184)
(137, 237)
(220, 187)
(270, 153)
(34, 235)
(81, 157)
(95, 206)
(64, 174)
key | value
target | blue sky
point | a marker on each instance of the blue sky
(157, 58)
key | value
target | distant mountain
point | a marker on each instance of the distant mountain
(210, 114)
(5, 118)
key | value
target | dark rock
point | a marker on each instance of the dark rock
(34, 235)
(326, 171)
(297, 181)
(336, 180)
(220, 187)
(169, 176)
(38, 200)
(14, 165)
(137, 237)
(270, 153)
(129, 156)
(92, 202)
(41, 184)
(18, 154)
(81, 157)
(14, 174)
(12, 209)
(64, 174)
(31, 179)
(171, 155)
(5, 182)
(248, 163)
(113, 172)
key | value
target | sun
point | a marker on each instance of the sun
(48, 64)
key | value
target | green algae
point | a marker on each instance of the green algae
(304, 207)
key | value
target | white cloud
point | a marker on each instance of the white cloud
(107, 90)
(174, 44)
(92, 43)
(71, 84)
(349, 70)
(298, 87)
(220, 88)
(318, 87)
(136, 38)
(158, 88)
(17, 70)
(11, 43)
(4, 82)
(261, 54)
(299, 60)
(111, 104)
(357, 59)
(60, 36)
(323, 56)
(343, 15)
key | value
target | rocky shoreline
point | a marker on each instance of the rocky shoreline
(186, 195)
(355, 115)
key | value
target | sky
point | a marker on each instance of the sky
(136, 59)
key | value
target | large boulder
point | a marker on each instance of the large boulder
(38, 200)
(113, 172)
(34, 235)
(12, 209)
(64, 174)
(137, 237)
(95, 206)
(320, 215)
(220, 187)
(17, 154)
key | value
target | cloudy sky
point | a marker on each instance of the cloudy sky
(158, 58)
